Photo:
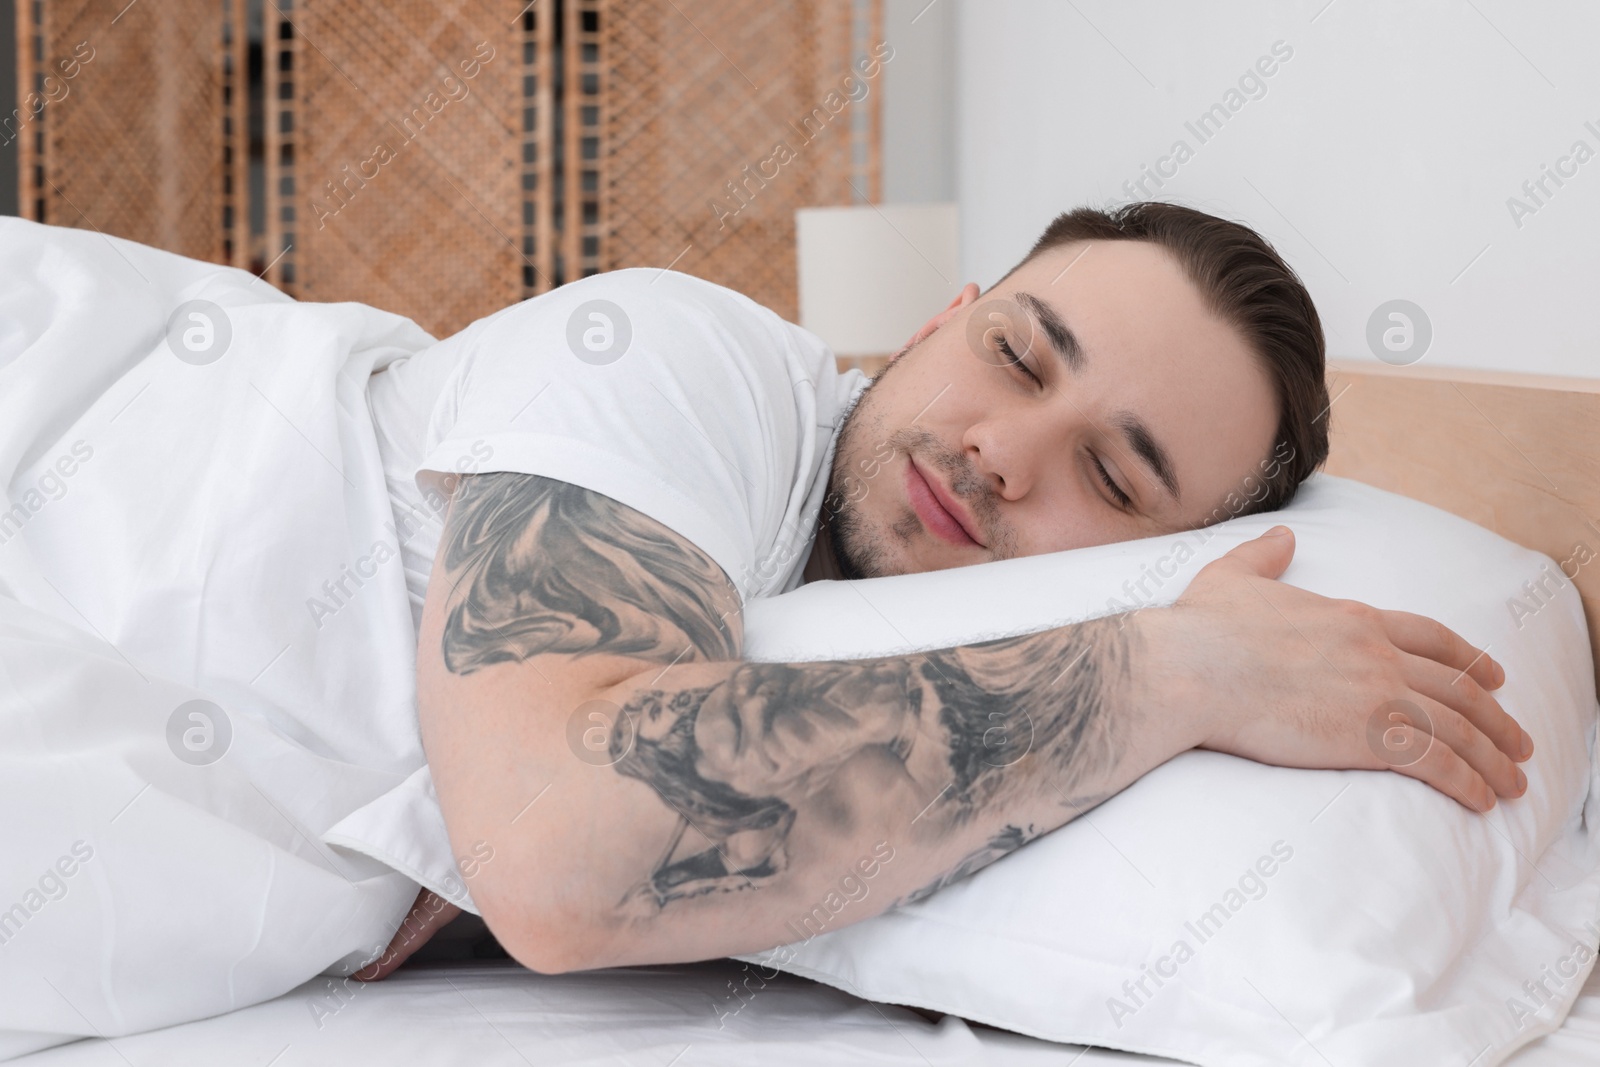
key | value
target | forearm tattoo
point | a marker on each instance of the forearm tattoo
(1001, 844)
(739, 758)
(546, 567)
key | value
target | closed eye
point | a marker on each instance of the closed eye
(1123, 500)
(1013, 360)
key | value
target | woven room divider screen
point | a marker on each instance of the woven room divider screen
(110, 136)
(445, 159)
(713, 148)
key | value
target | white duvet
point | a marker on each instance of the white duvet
(177, 726)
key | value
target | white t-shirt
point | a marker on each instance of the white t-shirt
(683, 400)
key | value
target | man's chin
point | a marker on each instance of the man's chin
(853, 564)
(940, 563)
(886, 555)
(858, 553)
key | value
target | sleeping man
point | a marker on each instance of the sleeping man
(663, 450)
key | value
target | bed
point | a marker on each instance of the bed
(1518, 454)
(493, 1014)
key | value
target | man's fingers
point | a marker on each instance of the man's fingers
(1422, 636)
(428, 914)
(1461, 692)
(1457, 731)
(1266, 556)
(1441, 767)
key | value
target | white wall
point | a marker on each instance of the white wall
(919, 102)
(1379, 160)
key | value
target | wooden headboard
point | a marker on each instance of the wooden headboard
(1517, 453)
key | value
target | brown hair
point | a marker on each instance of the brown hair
(1248, 285)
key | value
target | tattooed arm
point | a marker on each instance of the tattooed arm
(650, 797)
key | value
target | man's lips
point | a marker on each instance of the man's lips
(941, 515)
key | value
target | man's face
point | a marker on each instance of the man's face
(960, 454)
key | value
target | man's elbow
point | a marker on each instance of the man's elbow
(546, 955)
(546, 951)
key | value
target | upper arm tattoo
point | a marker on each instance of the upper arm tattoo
(542, 566)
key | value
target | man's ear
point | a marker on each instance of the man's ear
(968, 294)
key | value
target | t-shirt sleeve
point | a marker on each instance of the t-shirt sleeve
(680, 399)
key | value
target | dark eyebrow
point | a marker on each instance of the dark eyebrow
(1133, 428)
(1061, 337)
(1145, 446)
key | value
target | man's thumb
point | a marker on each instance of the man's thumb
(1267, 556)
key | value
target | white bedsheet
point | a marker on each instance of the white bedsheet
(492, 1014)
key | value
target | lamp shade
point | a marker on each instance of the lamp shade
(871, 274)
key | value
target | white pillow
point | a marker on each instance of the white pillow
(1272, 916)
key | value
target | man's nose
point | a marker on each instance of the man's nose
(999, 455)
(1012, 451)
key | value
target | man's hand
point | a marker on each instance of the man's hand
(429, 914)
(1287, 677)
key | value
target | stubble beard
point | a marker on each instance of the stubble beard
(859, 551)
